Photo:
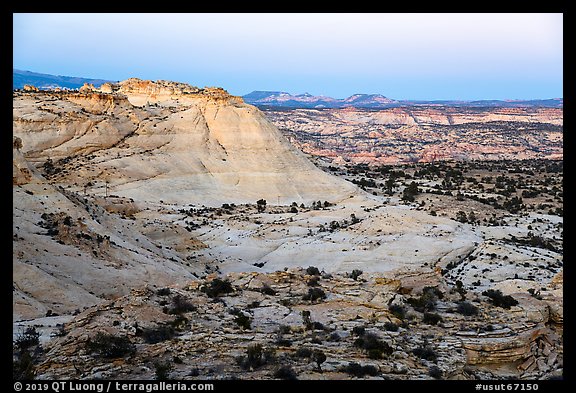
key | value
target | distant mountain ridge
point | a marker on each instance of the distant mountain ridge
(306, 100)
(378, 101)
(47, 81)
(277, 99)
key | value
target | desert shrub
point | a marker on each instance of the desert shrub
(307, 319)
(157, 334)
(261, 205)
(312, 271)
(359, 371)
(179, 323)
(355, 274)
(315, 325)
(285, 372)
(314, 294)
(398, 311)
(266, 290)
(373, 345)
(242, 320)
(180, 305)
(303, 352)
(318, 357)
(23, 366)
(391, 326)
(425, 352)
(110, 346)
(431, 318)
(29, 338)
(162, 371)
(217, 287)
(163, 292)
(358, 330)
(256, 356)
(460, 289)
(313, 281)
(427, 300)
(499, 300)
(467, 308)
(316, 339)
(435, 372)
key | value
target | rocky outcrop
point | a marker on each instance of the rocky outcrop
(109, 88)
(87, 88)
(31, 88)
(21, 171)
(212, 324)
(207, 145)
(423, 134)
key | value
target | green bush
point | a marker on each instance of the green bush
(373, 345)
(312, 271)
(157, 334)
(162, 371)
(431, 318)
(359, 371)
(314, 294)
(285, 372)
(110, 346)
(23, 366)
(29, 338)
(499, 300)
(303, 352)
(266, 290)
(427, 300)
(217, 287)
(313, 281)
(425, 352)
(398, 311)
(243, 321)
(180, 305)
(256, 357)
(355, 274)
(163, 292)
(318, 357)
(467, 309)
(435, 372)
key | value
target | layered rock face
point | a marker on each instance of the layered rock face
(207, 145)
(70, 252)
(423, 134)
(251, 325)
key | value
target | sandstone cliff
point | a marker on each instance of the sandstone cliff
(208, 145)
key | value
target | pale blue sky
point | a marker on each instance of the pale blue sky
(402, 56)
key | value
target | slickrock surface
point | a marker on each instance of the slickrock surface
(205, 337)
(124, 191)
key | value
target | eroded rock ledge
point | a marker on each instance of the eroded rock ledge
(308, 325)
